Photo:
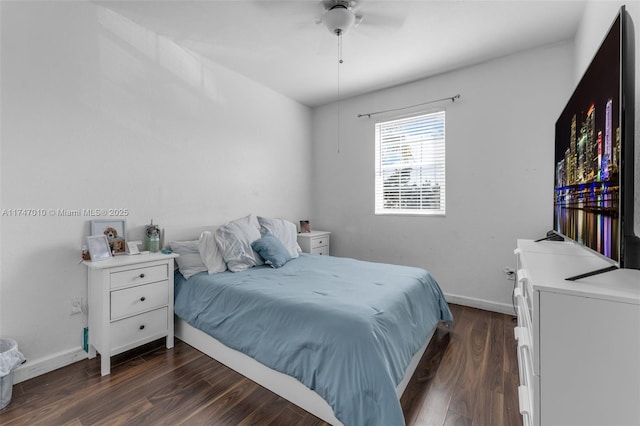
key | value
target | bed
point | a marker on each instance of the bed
(338, 337)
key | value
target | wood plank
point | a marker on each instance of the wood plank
(435, 405)
(266, 411)
(421, 382)
(473, 332)
(124, 414)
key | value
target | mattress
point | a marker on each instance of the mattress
(346, 329)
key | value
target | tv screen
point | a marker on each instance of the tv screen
(588, 155)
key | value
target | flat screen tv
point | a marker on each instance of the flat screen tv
(594, 153)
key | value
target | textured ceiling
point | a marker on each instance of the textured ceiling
(279, 44)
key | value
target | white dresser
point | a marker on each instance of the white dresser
(315, 242)
(130, 303)
(578, 341)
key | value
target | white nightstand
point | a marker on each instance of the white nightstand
(314, 242)
(130, 303)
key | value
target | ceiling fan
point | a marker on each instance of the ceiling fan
(339, 16)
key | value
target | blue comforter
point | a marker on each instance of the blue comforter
(345, 328)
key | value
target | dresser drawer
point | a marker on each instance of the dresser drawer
(524, 283)
(141, 298)
(141, 275)
(525, 360)
(523, 311)
(318, 242)
(524, 401)
(128, 332)
(528, 386)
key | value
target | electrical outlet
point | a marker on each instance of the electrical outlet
(76, 306)
(509, 272)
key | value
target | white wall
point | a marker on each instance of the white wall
(98, 112)
(596, 21)
(499, 173)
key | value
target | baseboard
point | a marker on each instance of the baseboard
(487, 305)
(39, 366)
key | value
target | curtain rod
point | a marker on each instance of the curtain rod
(450, 98)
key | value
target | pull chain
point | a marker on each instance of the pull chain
(340, 61)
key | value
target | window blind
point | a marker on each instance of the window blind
(410, 165)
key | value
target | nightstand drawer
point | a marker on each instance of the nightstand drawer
(136, 276)
(129, 331)
(324, 250)
(133, 300)
(317, 242)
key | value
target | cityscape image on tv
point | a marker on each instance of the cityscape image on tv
(587, 191)
(587, 156)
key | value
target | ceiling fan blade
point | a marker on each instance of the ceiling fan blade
(383, 20)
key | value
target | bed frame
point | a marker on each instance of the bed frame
(281, 384)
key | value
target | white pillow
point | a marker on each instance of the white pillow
(189, 262)
(210, 254)
(283, 230)
(234, 242)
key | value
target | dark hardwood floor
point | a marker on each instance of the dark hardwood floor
(468, 376)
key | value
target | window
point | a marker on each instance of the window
(410, 165)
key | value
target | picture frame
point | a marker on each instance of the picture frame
(98, 227)
(114, 230)
(99, 248)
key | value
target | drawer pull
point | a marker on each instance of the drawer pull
(522, 275)
(142, 299)
(524, 400)
(141, 275)
(522, 336)
(142, 327)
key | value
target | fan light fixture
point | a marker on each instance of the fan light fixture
(339, 19)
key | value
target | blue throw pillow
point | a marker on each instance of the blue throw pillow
(271, 250)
